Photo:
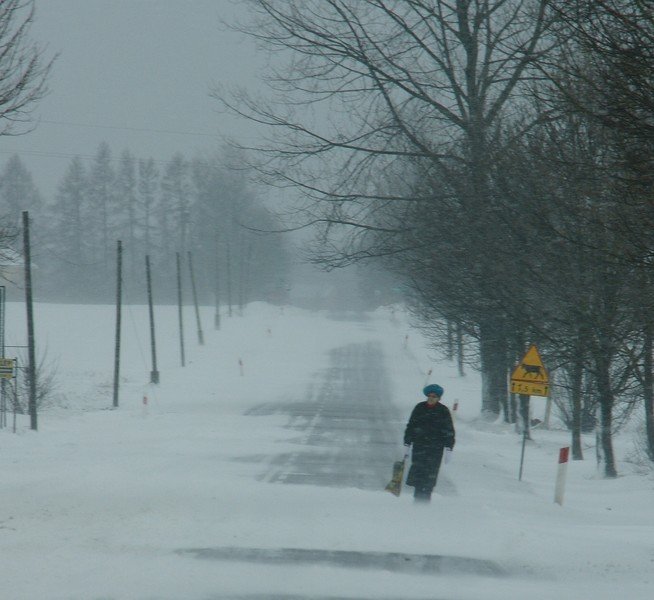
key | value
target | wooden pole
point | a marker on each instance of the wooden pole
(31, 367)
(179, 308)
(216, 282)
(119, 278)
(3, 381)
(195, 300)
(154, 374)
(228, 279)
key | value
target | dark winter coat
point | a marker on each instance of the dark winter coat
(429, 430)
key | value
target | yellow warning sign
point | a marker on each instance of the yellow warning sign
(530, 377)
(7, 368)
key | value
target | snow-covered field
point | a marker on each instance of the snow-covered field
(102, 504)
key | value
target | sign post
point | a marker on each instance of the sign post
(529, 378)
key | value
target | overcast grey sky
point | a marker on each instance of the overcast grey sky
(135, 73)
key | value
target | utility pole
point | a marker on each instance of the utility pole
(31, 367)
(216, 283)
(3, 395)
(228, 278)
(179, 308)
(154, 374)
(119, 288)
(195, 300)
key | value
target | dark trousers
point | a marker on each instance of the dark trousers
(422, 495)
(424, 470)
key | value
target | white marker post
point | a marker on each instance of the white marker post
(564, 453)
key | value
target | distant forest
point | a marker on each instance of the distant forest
(195, 206)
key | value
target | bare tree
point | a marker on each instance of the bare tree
(607, 77)
(23, 74)
(370, 85)
(23, 68)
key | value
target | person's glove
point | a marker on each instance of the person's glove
(407, 449)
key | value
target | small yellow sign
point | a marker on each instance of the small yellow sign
(530, 377)
(7, 368)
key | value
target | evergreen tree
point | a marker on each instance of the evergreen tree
(68, 238)
(175, 208)
(101, 223)
(126, 201)
(148, 185)
(230, 235)
(17, 191)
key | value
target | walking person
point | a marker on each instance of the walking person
(430, 430)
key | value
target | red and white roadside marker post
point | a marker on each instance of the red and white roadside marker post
(559, 490)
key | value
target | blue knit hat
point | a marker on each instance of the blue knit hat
(433, 389)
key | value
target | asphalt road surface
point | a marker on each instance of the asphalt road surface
(349, 431)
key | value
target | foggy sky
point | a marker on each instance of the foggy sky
(136, 74)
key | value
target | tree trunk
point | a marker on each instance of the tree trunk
(450, 341)
(459, 349)
(513, 408)
(606, 416)
(576, 375)
(493, 351)
(648, 389)
(228, 274)
(506, 408)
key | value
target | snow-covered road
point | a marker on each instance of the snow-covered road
(345, 423)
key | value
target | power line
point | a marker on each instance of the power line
(70, 156)
(126, 128)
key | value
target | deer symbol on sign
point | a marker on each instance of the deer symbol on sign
(535, 370)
